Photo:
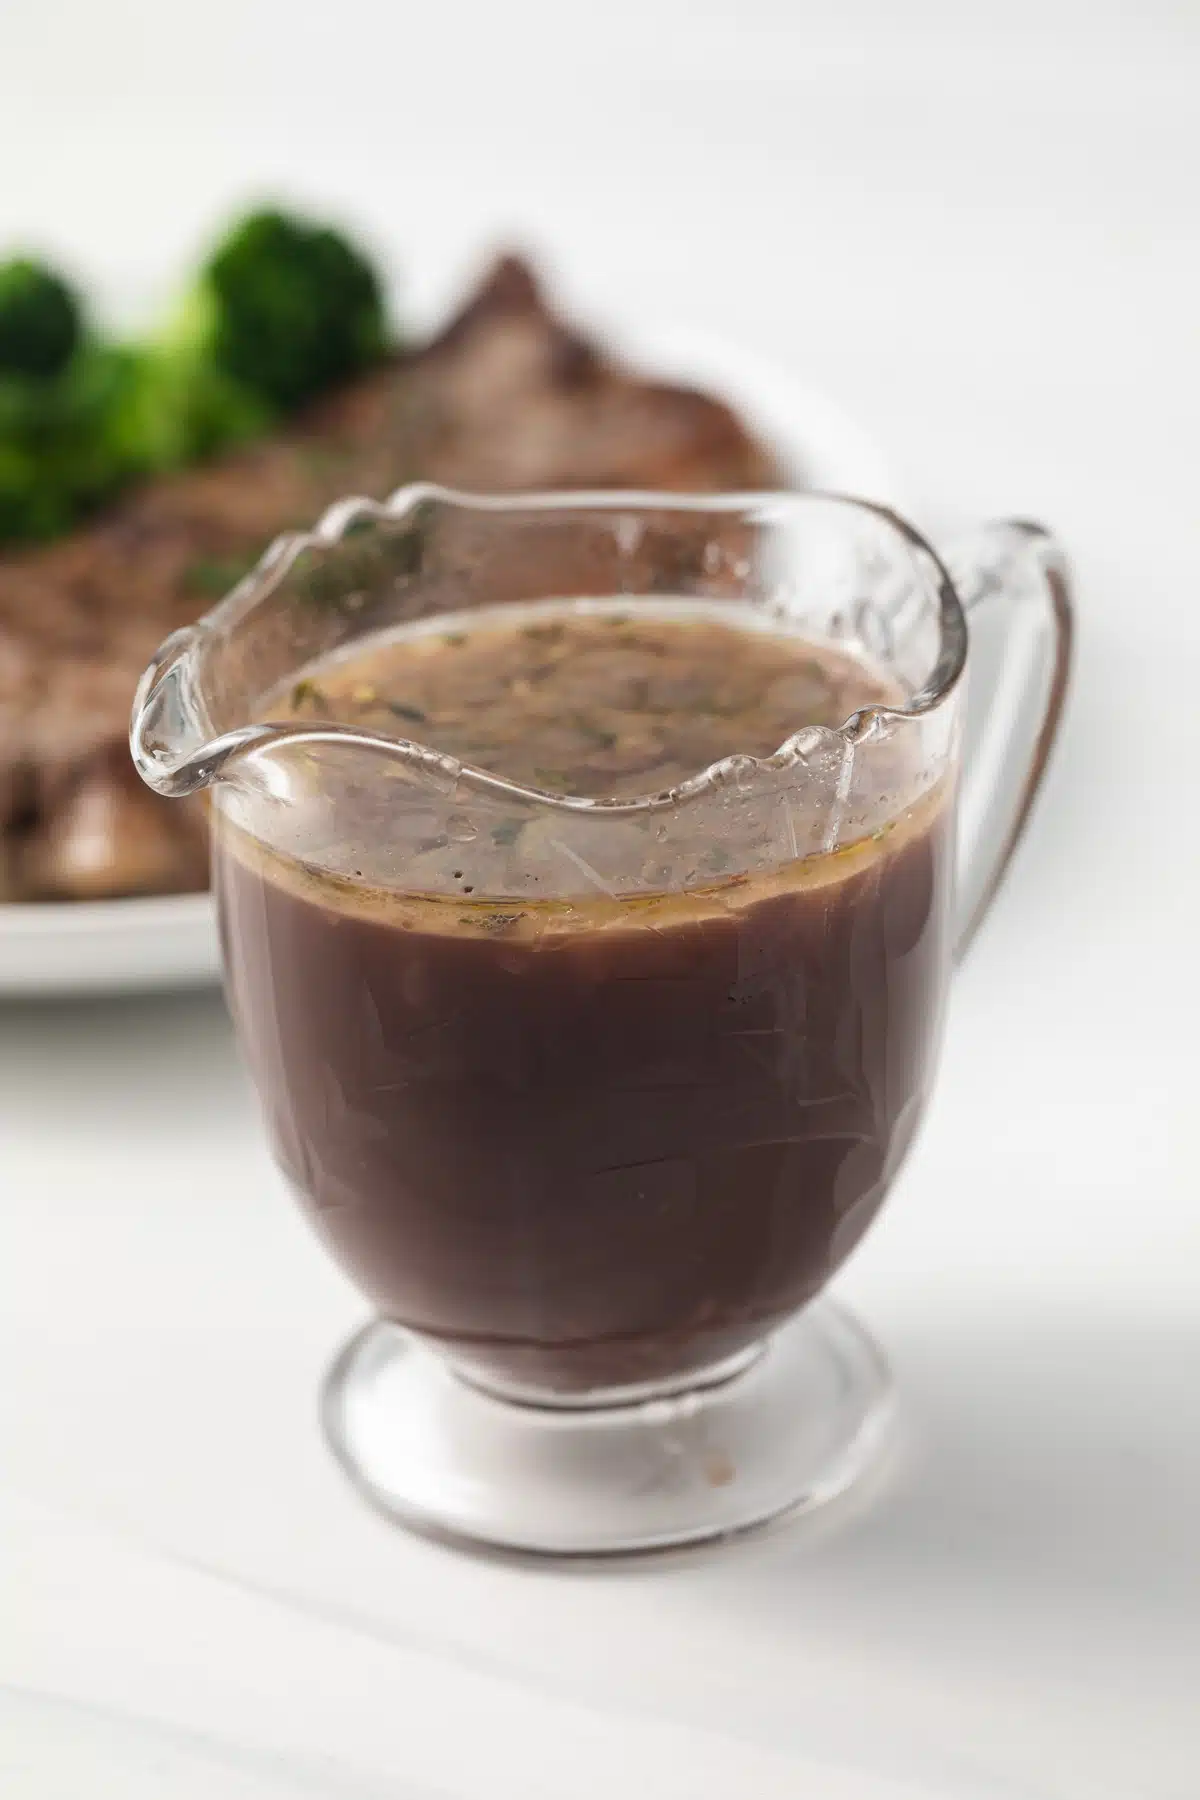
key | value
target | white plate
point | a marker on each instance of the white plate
(122, 946)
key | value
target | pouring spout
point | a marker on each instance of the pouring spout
(170, 735)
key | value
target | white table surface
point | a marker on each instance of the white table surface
(977, 227)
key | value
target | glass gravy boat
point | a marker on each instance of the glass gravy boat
(592, 1096)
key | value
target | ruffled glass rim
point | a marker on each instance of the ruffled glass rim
(184, 768)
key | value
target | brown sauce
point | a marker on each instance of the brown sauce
(592, 1145)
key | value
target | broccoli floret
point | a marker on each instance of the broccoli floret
(118, 414)
(40, 323)
(284, 308)
(291, 308)
(176, 408)
(60, 454)
(30, 507)
(60, 397)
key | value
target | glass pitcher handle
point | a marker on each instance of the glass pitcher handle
(1014, 584)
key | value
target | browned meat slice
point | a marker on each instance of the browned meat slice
(108, 834)
(507, 397)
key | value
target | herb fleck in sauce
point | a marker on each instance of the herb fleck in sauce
(591, 703)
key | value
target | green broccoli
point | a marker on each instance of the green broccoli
(40, 323)
(174, 408)
(283, 309)
(62, 395)
(290, 308)
(60, 454)
(30, 508)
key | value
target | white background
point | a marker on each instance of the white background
(977, 227)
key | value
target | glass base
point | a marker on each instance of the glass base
(789, 1429)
